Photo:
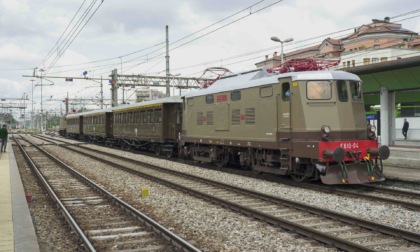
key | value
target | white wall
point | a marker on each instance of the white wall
(413, 130)
(389, 53)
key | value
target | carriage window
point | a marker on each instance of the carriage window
(158, 116)
(137, 115)
(318, 90)
(342, 91)
(131, 114)
(143, 117)
(285, 91)
(209, 99)
(149, 116)
(235, 96)
(356, 90)
(266, 91)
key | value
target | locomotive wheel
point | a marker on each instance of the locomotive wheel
(302, 173)
(170, 153)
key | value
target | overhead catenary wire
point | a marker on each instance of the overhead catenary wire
(151, 59)
(185, 37)
(75, 32)
(61, 36)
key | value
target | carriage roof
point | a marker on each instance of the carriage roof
(172, 99)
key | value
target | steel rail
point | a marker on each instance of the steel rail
(410, 236)
(301, 229)
(392, 191)
(73, 224)
(159, 229)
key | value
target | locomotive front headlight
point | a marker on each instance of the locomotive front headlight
(326, 129)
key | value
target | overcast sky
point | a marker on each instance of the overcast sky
(29, 29)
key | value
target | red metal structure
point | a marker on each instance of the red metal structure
(219, 71)
(299, 64)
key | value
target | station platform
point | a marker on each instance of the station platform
(404, 161)
(17, 232)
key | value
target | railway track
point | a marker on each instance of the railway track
(342, 231)
(102, 220)
(408, 199)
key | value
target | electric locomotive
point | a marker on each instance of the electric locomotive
(309, 125)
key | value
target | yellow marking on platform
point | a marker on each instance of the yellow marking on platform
(6, 219)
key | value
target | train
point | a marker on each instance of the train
(309, 125)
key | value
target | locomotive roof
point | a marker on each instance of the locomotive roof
(261, 77)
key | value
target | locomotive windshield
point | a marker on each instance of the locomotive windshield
(342, 91)
(319, 90)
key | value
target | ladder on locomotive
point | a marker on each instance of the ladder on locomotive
(286, 161)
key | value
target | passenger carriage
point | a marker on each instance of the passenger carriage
(152, 125)
(98, 126)
(74, 125)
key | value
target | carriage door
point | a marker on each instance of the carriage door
(284, 125)
(108, 124)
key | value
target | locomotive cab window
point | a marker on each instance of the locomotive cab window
(356, 90)
(318, 90)
(235, 96)
(285, 91)
(342, 91)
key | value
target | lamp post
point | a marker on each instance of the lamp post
(32, 106)
(276, 39)
(42, 125)
(42, 111)
(23, 116)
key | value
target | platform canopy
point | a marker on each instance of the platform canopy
(401, 76)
